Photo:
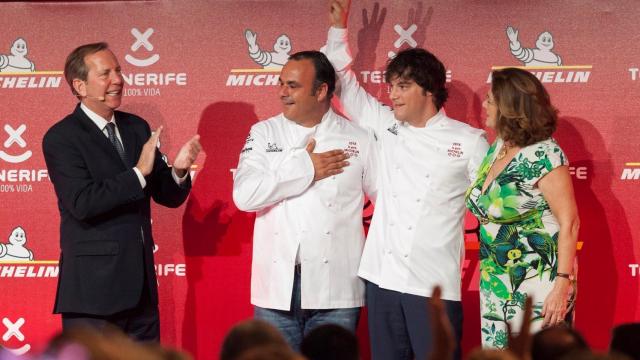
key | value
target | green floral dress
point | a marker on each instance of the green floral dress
(518, 238)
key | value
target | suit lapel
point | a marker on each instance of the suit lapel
(97, 137)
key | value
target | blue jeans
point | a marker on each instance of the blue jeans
(296, 323)
(400, 324)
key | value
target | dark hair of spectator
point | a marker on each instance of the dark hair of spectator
(555, 342)
(330, 342)
(248, 335)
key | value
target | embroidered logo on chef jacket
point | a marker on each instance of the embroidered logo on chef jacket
(273, 148)
(393, 129)
(247, 145)
(455, 150)
(352, 149)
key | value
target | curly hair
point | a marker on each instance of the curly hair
(422, 67)
(525, 114)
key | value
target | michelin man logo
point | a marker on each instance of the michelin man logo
(15, 249)
(273, 60)
(540, 56)
(142, 40)
(15, 137)
(406, 36)
(13, 330)
(17, 62)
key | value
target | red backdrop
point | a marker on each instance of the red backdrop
(187, 67)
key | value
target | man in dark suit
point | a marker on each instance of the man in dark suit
(105, 168)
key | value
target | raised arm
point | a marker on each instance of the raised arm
(361, 107)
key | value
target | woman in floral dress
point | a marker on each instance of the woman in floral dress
(523, 198)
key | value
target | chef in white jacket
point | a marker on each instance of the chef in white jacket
(305, 173)
(427, 160)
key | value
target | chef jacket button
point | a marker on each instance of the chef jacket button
(333, 177)
(406, 255)
(276, 233)
(395, 195)
(391, 224)
(329, 205)
(325, 260)
(388, 251)
(418, 200)
(427, 176)
(328, 232)
(409, 227)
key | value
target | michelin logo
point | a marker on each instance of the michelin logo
(17, 62)
(271, 62)
(631, 171)
(540, 56)
(274, 59)
(17, 71)
(543, 61)
(17, 261)
(15, 249)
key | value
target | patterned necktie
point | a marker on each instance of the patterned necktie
(111, 130)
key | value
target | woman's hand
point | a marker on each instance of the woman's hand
(554, 308)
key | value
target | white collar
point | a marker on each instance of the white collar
(97, 119)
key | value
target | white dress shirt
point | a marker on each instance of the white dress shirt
(322, 220)
(416, 239)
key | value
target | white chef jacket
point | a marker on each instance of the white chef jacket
(320, 219)
(416, 239)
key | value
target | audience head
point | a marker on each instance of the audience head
(270, 352)
(555, 342)
(248, 335)
(330, 342)
(626, 340)
(82, 343)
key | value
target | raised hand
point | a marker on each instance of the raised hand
(512, 34)
(520, 344)
(187, 156)
(251, 40)
(148, 154)
(327, 163)
(443, 338)
(339, 13)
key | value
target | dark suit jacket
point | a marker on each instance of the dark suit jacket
(105, 229)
